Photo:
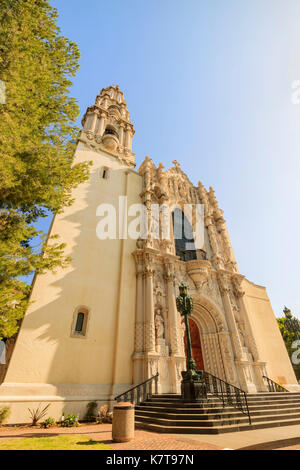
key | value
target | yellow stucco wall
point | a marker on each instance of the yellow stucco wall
(45, 351)
(267, 335)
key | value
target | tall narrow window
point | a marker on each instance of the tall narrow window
(104, 173)
(79, 322)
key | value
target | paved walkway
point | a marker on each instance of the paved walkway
(278, 438)
(143, 440)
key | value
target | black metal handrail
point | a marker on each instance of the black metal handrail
(139, 392)
(229, 394)
(273, 386)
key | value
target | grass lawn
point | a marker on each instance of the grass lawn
(62, 442)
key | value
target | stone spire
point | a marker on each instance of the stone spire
(107, 124)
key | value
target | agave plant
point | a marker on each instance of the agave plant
(4, 414)
(37, 414)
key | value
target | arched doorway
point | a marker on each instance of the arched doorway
(196, 344)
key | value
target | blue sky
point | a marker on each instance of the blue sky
(209, 83)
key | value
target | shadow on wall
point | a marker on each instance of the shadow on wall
(76, 360)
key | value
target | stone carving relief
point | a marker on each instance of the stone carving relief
(159, 326)
(227, 354)
(153, 366)
(211, 290)
(213, 282)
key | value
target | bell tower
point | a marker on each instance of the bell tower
(107, 125)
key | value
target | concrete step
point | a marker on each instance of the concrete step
(249, 395)
(168, 413)
(217, 401)
(215, 421)
(224, 413)
(213, 429)
(215, 407)
(191, 408)
(267, 397)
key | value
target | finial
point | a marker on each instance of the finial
(175, 162)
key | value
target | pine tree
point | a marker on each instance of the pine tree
(37, 134)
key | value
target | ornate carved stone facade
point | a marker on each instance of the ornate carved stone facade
(228, 344)
(129, 288)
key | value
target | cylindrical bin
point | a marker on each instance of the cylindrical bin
(123, 422)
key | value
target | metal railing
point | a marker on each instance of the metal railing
(140, 392)
(229, 394)
(273, 386)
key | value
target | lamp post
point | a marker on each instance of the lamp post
(192, 385)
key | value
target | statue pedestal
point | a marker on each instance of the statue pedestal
(161, 347)
(193, 391)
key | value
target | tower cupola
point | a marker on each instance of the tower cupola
(107, 124)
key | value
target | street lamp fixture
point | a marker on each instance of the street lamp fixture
(192, 385)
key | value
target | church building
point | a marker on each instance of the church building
(109, 320)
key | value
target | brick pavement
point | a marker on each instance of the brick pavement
(144, 440)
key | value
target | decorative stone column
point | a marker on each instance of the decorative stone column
(149, 332)
(101, 125)
(121, 134)
(94, 122)
(211, 229)
(176, 360)
(228, 357)
(224, 285)
(128, 138)
(172, 309)
(138, 356)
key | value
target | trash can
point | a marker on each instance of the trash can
(123, 422)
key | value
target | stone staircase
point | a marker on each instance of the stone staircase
(168, 414)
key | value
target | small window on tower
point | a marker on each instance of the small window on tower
(80, 322)
(105, 173)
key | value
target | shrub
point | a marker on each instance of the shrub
(91, 413)
(4, 414)
(70, 421)
(38, 414)
(48, 423)
(104, 416)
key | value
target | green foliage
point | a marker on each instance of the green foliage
(37, 414)
(91, 413)
(48, 423)
(37, 129)
(4, 414)
(70, 421)
(288, 337)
